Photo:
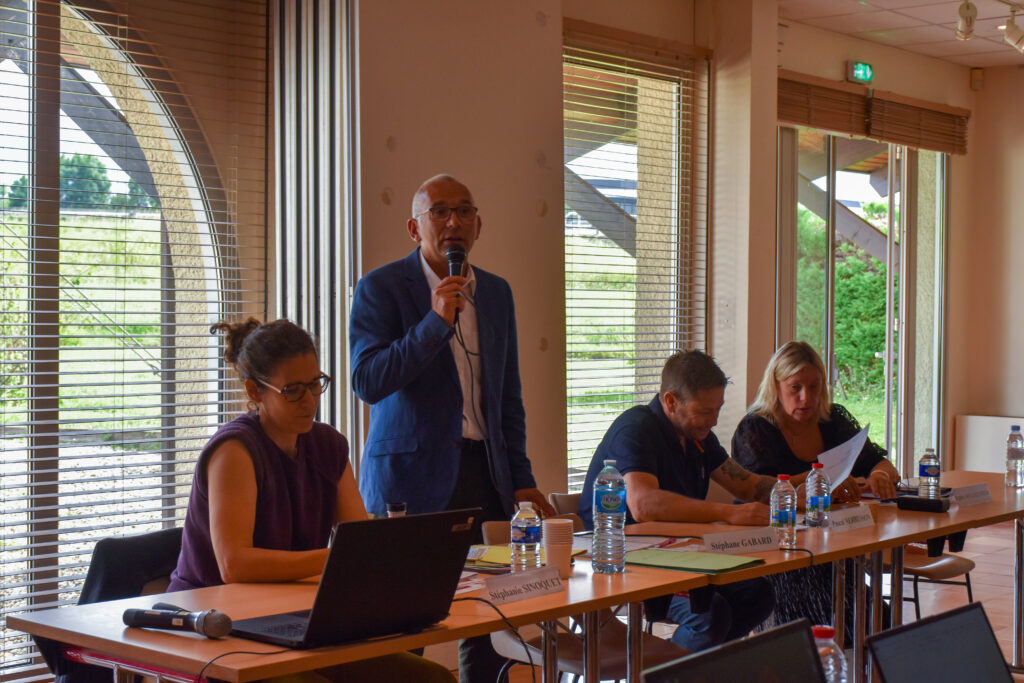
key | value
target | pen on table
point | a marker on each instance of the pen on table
(667, 542)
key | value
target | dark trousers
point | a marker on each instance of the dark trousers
(735, 609)
(474, 487)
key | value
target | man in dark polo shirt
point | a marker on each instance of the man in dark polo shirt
(667, 455)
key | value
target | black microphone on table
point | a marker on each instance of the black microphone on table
(456, 255)
(208, 622)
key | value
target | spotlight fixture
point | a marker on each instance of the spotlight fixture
(1013, 34)
(965, 20)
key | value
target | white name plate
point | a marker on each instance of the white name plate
(745, 541)
(523, 585)
(972, 495)
(847, 519)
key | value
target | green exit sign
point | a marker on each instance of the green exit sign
(859, 72)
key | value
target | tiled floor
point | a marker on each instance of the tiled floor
(991, 548)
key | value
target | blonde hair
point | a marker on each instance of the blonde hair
(789, 359)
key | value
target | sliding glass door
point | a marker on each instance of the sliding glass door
(861, 227)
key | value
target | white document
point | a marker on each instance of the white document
(839, 461)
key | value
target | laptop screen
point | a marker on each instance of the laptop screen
(786, 653)
(958, 645)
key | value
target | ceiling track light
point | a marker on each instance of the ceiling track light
(965, 20)
(1013, 34)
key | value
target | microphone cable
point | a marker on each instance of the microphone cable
(200, 678)
(513, 629)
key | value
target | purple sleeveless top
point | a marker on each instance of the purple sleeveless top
(296, 499)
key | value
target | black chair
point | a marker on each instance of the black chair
(121, 567)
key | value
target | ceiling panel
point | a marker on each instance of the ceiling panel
(907, 37)
(922, 26)
(1008, 57)
(866, 21)
(810, 9)
(961, 47)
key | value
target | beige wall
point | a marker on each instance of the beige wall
(743, 204)
(822, 53)
(504, 139)
(986, 363)
(475, 89)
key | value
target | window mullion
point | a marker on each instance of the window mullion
(44, 287)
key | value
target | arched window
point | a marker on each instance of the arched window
(120, 243)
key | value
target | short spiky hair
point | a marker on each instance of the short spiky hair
(687, 373)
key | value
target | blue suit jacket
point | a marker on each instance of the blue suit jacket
(402, 365)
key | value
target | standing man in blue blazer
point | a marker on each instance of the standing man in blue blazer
(436, 357)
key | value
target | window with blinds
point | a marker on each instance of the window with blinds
(636, 131)
(132, 142)
(852, 109)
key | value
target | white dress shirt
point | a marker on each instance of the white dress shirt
(473, 424)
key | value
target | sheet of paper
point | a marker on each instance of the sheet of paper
(839, 461)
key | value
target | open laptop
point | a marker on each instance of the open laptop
(957, 645)
(382, 577)
(786, 654)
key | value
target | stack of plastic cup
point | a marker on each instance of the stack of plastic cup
(557, 543)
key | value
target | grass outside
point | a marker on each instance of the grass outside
(109, 356)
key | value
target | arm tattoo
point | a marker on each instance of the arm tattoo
(763, 492)
(734, 470)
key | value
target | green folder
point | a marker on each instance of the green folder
(691, 561)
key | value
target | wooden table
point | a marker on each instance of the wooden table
(893, 529)
(98, 627)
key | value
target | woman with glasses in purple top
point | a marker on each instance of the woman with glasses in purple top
(270, 485)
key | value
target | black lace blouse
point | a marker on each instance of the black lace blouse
(760, 447)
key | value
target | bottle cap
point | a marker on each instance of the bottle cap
(817, 466)
(609, 462)
(823, 632)
(525, 504)
(783, 477)
(1013, 428)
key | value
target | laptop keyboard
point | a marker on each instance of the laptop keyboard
(287, 630)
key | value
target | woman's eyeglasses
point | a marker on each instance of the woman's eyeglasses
(295, 391)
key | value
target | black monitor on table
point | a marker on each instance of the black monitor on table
(786, 654)
(957, 645)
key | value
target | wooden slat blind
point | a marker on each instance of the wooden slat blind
(856, 110)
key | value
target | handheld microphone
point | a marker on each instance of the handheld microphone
(456, 256)
(209, 622)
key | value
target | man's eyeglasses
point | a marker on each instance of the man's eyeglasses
(294, 392)
(464, 212)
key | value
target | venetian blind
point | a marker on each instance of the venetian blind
(131, 217)
(635, 146)
(856, 110)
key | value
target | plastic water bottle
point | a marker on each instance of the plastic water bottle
(928, 472)
(784, 511)
(1015, 458)
(819, 497)
(833, 661)
(608, 553)
(525, 538)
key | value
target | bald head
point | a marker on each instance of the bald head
(445, 195)
(421, 199)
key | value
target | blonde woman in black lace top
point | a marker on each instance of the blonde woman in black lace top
(793, 421)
